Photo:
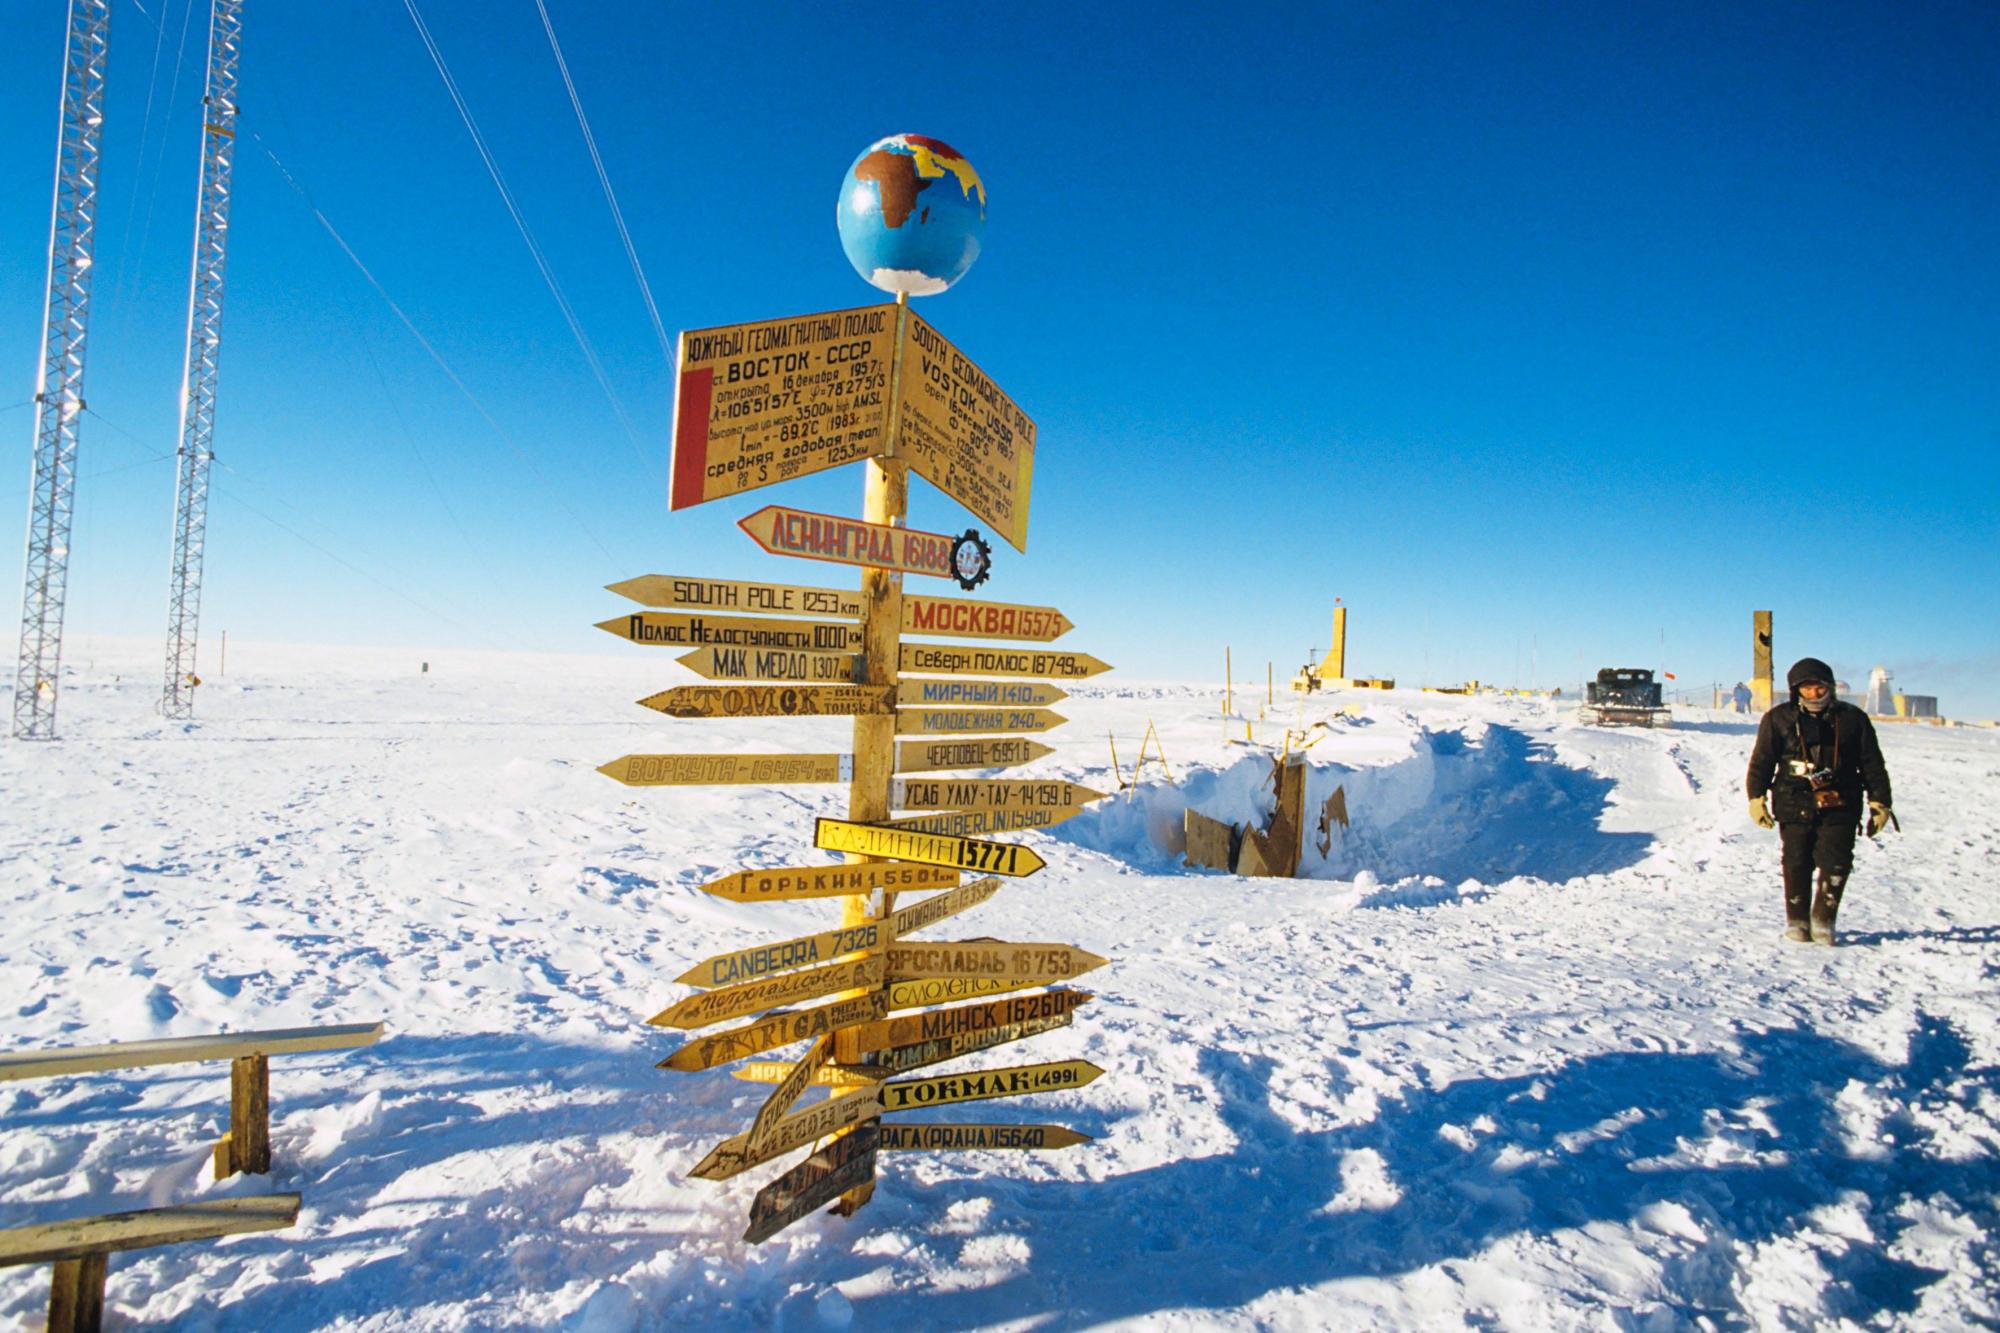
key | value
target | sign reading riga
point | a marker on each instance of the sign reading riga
(757, 404)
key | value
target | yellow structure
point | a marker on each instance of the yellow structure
(1331, 673)
(1760, 661)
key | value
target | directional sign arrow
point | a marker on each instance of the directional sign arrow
(714, 1006)
(964, 1019)
(832, 1076)
(974, 721)
(849, 541)
(962, 433)
(937, 756)
(780, 1029)
(782, 885)
(735, 1154)
(939, 659)
(978, 823)
(940, 990)
(710, 701)
(679, 592)
(788, 1090)
(941, 905)
(976, 1138)
(718, 770)
(909, 961)
(762, 960)
(988, 794)
(960, 617)
(677, 629)
(1013, 1081)
(937, 1050)
(771, 664)
(997, 858)
(918, 692)
(847, 1162)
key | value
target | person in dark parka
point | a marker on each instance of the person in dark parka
(1815, 764)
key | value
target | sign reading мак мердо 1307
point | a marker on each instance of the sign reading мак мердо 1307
(761, 403)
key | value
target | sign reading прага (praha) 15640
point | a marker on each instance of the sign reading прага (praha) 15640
(756, 404)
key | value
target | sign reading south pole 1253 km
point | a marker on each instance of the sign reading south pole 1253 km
(757, 404)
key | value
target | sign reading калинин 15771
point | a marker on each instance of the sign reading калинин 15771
(757, 404)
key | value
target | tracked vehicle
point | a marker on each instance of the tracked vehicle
(1624, 697)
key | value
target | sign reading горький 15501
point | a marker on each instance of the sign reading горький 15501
(757, 404)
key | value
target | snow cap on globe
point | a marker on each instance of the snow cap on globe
(911, 213)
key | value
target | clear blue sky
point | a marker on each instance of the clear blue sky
(1567, 333)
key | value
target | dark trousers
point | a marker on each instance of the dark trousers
(1825, 844)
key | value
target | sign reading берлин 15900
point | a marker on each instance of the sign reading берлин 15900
(756, 404)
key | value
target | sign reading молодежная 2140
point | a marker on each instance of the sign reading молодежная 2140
(757, 404)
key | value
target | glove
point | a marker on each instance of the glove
(1879, 816)
(1761, 812)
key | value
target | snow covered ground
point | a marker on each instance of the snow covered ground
(1525, 1050)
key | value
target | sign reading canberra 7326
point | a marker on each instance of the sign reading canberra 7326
(757, 404)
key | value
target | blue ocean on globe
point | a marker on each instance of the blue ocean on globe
(911, 213)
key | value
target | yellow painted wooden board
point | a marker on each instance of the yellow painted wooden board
(763, 960)
(943, 659)
(845, 1164)
(922, 1054)
(920, 692)
(51, 1061)
(980, 1085)
(980, 823)
(910, 961)
(714, 1006)
(712, 701)
(830, 1076)
(717, 770)
(684, 592)
(108, 1233)
(776, 1030)
(779, 664)
(735, 1154)
(943, 990)
(757, 404)
(966, 618)
(976, 1138)
(989, 794)
(962, 434)
(938, 756)
(782, 885)
(788, 1090)
(939, 906)
(962, 1019)
(849, 541)
(974, 721)
(688, 629)
(993, 858)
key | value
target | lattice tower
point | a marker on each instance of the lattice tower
(204, 353)
(59, 387)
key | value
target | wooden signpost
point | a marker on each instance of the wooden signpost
(761, 403)
(771, 701)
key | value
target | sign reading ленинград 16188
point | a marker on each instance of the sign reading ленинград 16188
(757, 404)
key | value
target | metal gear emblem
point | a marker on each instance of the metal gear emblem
(971, 560)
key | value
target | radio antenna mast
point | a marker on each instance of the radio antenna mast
(204, 353)
(59, 388)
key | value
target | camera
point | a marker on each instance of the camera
(1824, 794)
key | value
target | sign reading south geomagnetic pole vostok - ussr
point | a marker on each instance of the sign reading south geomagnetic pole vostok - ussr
(757, 404)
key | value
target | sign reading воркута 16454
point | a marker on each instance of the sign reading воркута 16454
(757, 404)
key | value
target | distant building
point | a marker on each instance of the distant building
(1881, 694)
(1916, 705)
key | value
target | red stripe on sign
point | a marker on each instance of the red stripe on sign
(691, 436)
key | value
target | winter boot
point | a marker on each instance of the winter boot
(1796, 932)
(1826, 906)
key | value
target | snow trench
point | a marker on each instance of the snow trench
(1465, 809)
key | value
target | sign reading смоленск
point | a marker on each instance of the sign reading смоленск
(757, 404)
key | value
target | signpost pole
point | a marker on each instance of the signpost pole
(885, 500)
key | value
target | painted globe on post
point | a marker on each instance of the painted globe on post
(911, 213)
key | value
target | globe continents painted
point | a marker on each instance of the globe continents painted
(911, 213)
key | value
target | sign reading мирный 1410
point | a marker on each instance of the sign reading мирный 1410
(757, 404)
